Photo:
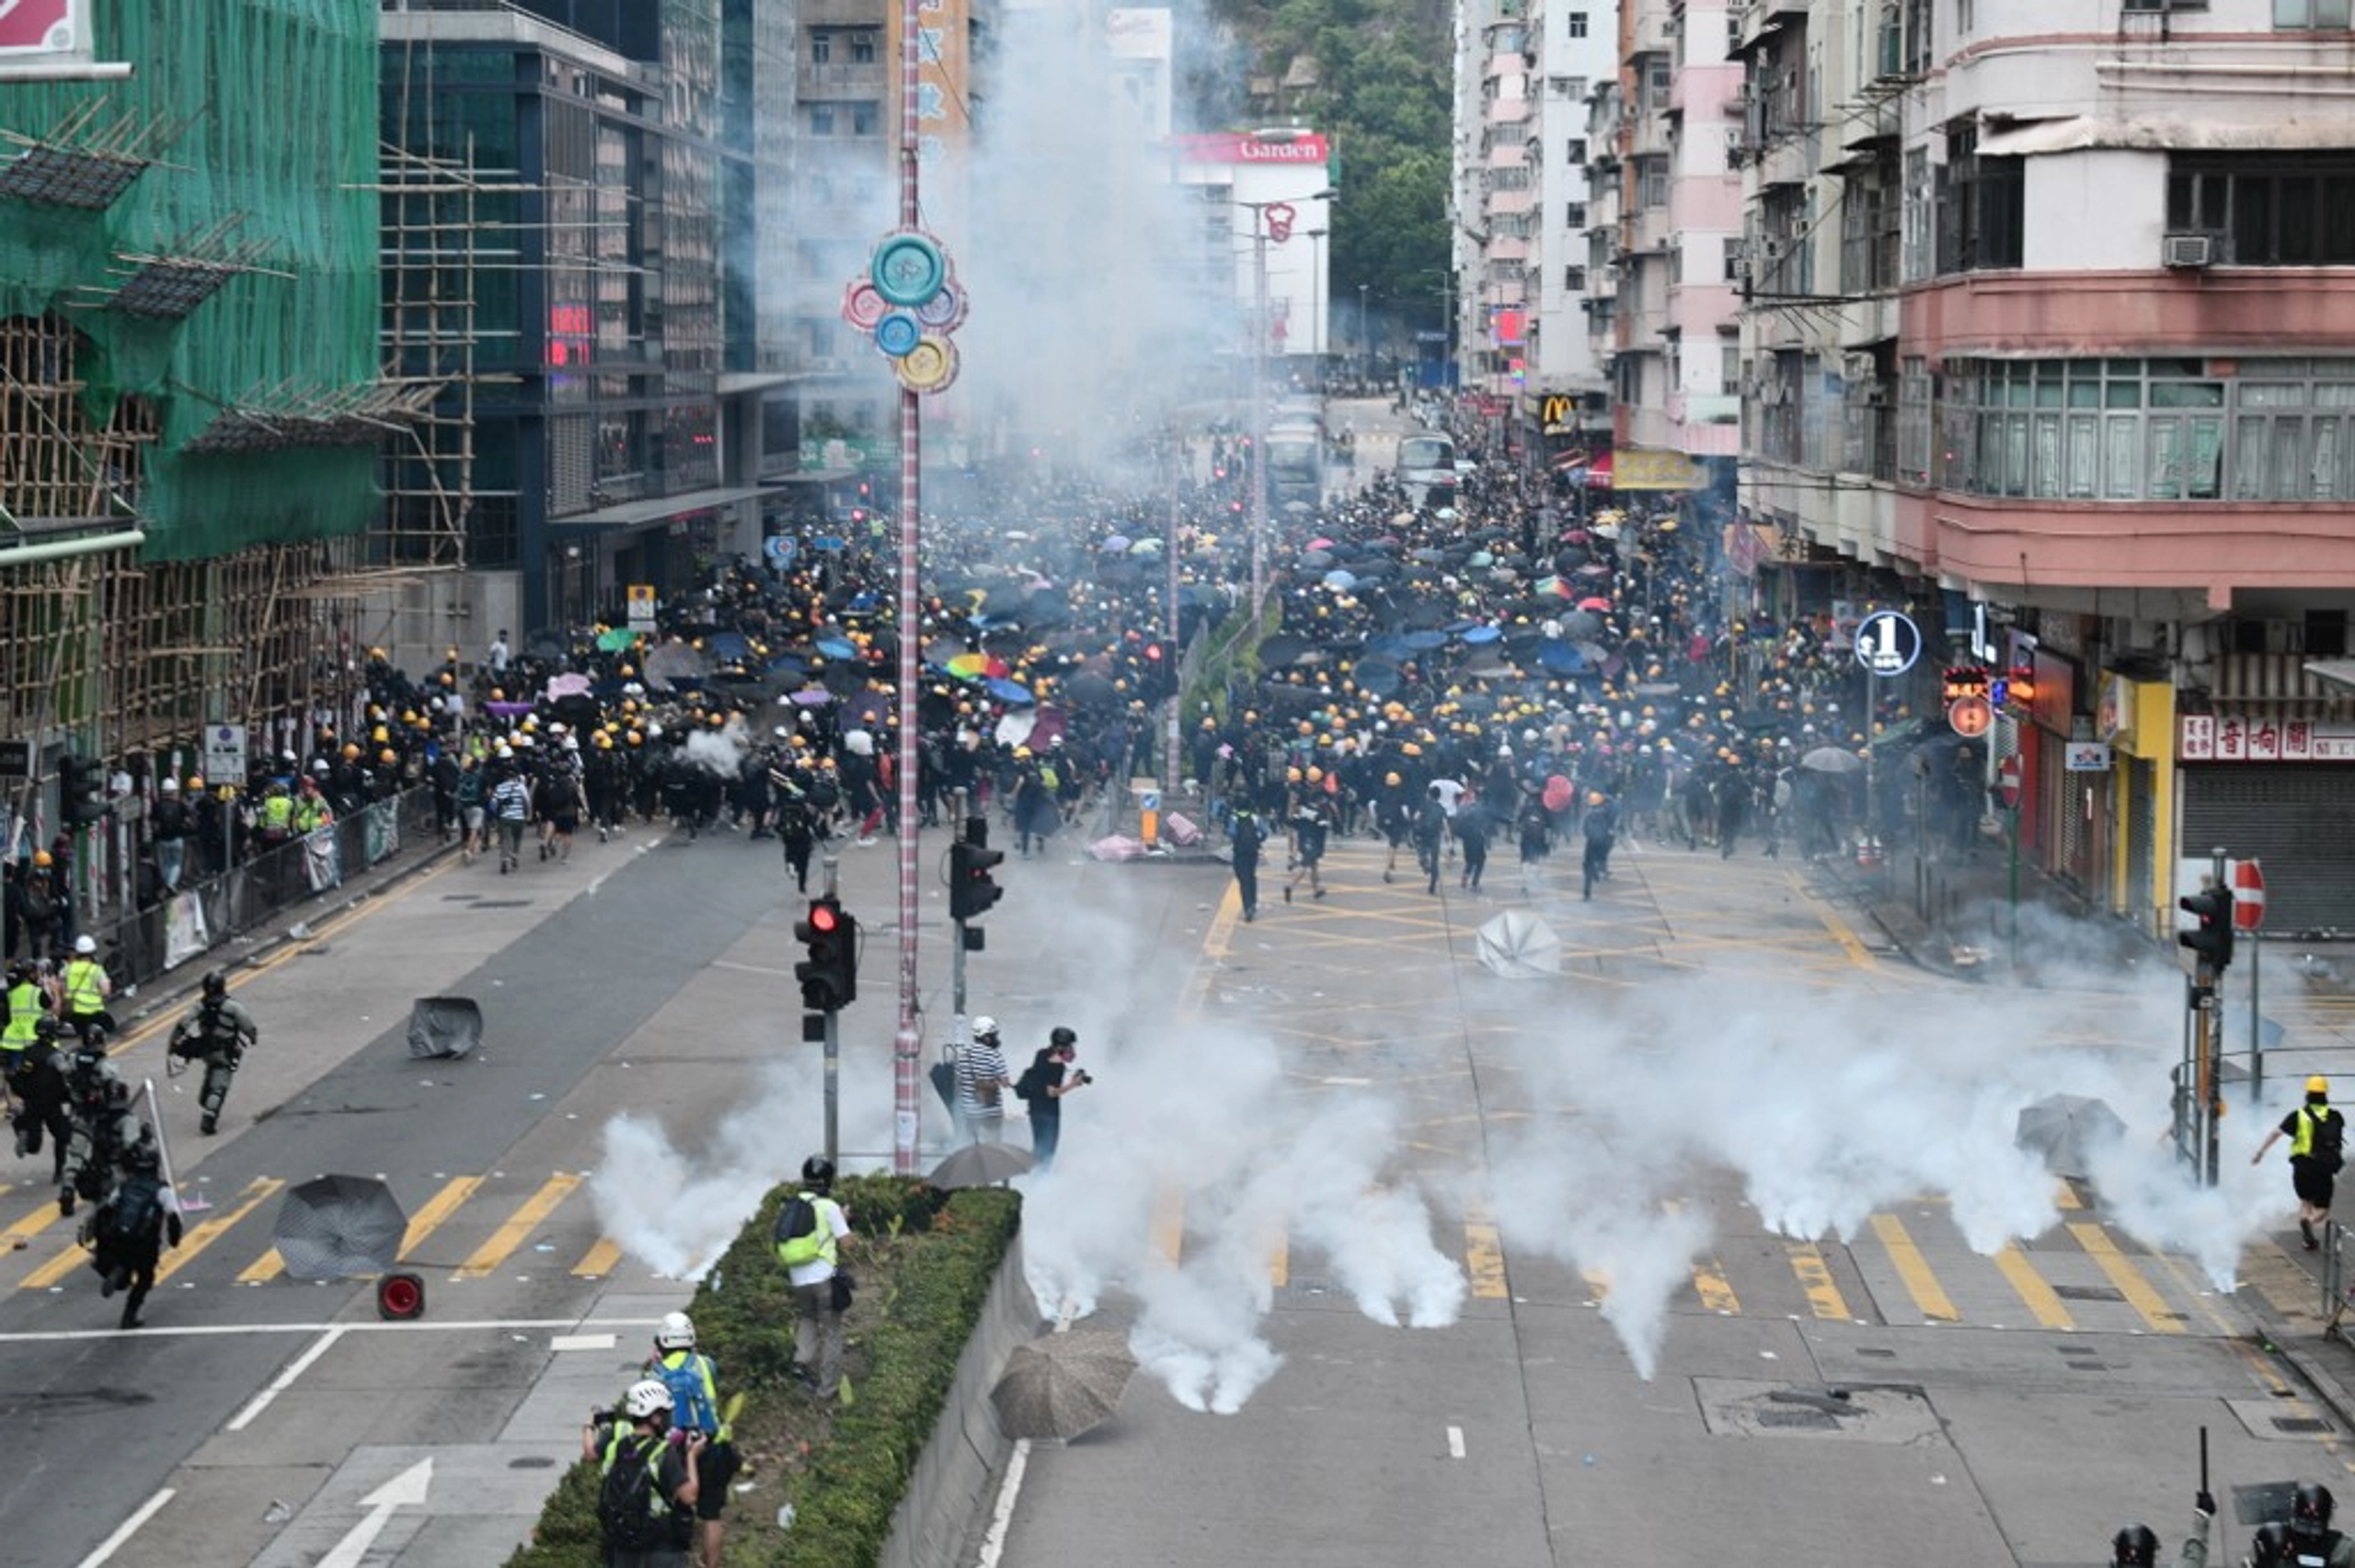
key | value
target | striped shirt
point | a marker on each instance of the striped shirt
(980, 1066)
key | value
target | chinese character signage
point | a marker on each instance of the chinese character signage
(2234, 738)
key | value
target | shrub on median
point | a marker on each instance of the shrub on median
(925, 1262)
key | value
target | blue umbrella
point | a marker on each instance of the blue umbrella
(836, 647)
(1423, 642)
(1480, 636)
(1457, 628)
(727, 647)
(1008, 691)
(1114, 544)
(1376, 677)
(1340, 579)
(1387, 644)
(1559, 658)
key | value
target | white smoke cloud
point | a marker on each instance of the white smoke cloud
(718, 750)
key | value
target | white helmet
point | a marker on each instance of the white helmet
(985, 1028)
(86, 945)
(677, 1332)
(651, 1397)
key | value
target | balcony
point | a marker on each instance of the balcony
(1507, 111)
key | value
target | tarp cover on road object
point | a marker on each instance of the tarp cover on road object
(443, 1027)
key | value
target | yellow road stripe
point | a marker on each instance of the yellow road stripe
(1279, 1263)
(1169, 1224)
(58, 1267)
(2121, 1272)
(263, 1269)
(1484, 1256)
(599, 1259)
(2064, 1195)
(1815, 1278)
(204, 1235)
(1598, 1281)
(438, 1207)
(518, 1225)
(1857, 952)
(2032, 1289)
(32, 1224)
(1913, 1270)
(1714, 1290)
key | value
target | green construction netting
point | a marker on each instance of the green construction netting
(275, 106)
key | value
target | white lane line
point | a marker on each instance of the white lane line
(1002, 1516)
(1456, 1442)
(284, 1380)
(584, 1342)
(68, 1337)
(125, 1530)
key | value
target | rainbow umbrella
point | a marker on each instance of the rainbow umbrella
(980, 667)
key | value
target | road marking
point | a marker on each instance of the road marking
(57, 1268)
(438, 1207)
(32, 1224)
(1169, 1224)
(207, 1331)
(212, 1229)
(284, 1380)
(263, 1269)
(1456, 1442)
(1858, 953)
(1913, 1270)
(2064, 1194)
(563, 1342)
(1484, 1256)
(1715, 1289)
(407, 1490)
(1009, 1492)
(105, 1551)
(2121, 1272)
(2040, 1297)
(518, 1225)
(1280, 1263)
(1823, 1296)
(599, 1259)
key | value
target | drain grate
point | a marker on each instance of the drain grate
(1788, 1418)
(1876, 1354)
(2300, 1424)
(2089, 1293)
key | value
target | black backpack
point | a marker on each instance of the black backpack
(1032, 1084)
(136, 1211)
(631, 1508)
(2328, 1141)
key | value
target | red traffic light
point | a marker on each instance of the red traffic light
(824, 918)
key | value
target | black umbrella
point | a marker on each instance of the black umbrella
(845, 676)
(1090, 687)
(443, 1027)
(336, 1226)
(1282, 648)
(1378, 676)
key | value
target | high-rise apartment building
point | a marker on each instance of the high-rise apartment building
(2046, 338)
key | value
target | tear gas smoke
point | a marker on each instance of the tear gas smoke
(718, 751)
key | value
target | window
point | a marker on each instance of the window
(2311, 14)
(1575, 150)
(1574, 278)
(1651, 182)
(2270, 210)
(821, 120)
(1981, 227)
(1577, 24)
(865, 119)
(1917, 214)
(1729, 368)
(822, 48)
(1574, 216)
(862, 47)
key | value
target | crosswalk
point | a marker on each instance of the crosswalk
(1908, 1265)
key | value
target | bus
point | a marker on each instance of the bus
(1427, 469)
(1296, 460)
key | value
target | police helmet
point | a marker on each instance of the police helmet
(817, 1172)
(2134, 1547)
(2271, 1546)
(646, 1398)
(2310, 1508)
(985, 1027)
(145, 1159)
(1061, 1037)
(676, 1332)
(216, 982)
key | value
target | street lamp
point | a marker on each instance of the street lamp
(1259, 382)
(1317, 304)
(1365, 342)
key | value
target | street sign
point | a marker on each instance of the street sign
(642, 607)
(224, 753)
(1887, 641)
(2248, 895)
(778, 548)
(15, 758)
(2007, 782)
(1970, 716)
(2085, 757)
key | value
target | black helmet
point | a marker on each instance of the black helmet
(1061, 1037)
(2270, 1548)
(216, 982)
(145, 1159)
(2134, 1547)
(818, 1172)
(2310, 1508)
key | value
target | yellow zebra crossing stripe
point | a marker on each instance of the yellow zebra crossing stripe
(1169, 1225)
(2128, 1280)
(439, 1208)
(2031, 1287)
(1483, 1257)
(1913, 1270)
(1824, 1298)
(258, 1192)
(599, 1259)
(518, 1225)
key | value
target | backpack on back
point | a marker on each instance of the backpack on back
(1032, 1084)
(691, 1407)
(800, 1238)
(631, 1508)
(136, 1210)
(2329, 1140)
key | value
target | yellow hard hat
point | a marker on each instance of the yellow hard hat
(196, 781)
(2317, 1084)
(1291, 775)
(350, 749)
(1315, 775)
(41, 858)
(1393, 779)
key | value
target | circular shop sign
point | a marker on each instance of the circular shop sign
(908, 268)
(897, 332)
(862, 306)
(945, 312)
(930, 366)
(1887, 641)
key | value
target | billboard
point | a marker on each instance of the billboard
(36, 31)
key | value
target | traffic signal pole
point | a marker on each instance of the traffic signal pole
(2211, 942)
(833, 1046)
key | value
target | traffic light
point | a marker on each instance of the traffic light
(82, 790)
(829, 976)
(971, 889)
(2212, 941)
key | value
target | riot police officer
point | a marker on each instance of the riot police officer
(215, 1032)
(104, 1127)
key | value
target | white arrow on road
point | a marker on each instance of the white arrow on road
(406, 1489)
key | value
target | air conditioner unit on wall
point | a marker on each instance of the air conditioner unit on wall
(2188, 250)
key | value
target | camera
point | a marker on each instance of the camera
(1084, 1076)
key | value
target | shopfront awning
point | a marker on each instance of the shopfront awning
(660, 509)
(2171, 133)
(2336, 671)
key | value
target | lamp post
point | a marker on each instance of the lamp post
(1317, 304)
(1365, 342)
(1260, 378)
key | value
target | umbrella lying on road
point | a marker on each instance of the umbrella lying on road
(443, 1027)
(336, 1226)
(1063, 1384)
(978, 1165)
(2064, 1129)
(1520, 946)
(1832, 760)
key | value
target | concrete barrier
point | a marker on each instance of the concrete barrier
(951, 1484)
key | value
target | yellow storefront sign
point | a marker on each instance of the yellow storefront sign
(1634, 468)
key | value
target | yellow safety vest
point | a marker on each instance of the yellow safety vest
(83, 993)
(24, 1017)
(2302, 1142)
(310, 814)
(277, 813)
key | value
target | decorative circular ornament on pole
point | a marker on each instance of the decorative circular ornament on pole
(1887, 641)
(945, 312)
(928, 367)
(908, 268)
(2249, 896)
(898, 334)
(1971, 718)
(862, 306)
(2007, 782)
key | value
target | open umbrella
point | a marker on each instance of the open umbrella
(1010, 691)
(2065, 1129)
(615, 638)
(1281, 649)
(1377, 677)
(673, 662)
(443, 1027)
(978, 1165)
(336, 1226)
(1424, 641)
(1090, 687)
(978, 666)
(1063, 1384)
(569, 684)
(1519, 946)
(836, 647)
(1832, 760)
